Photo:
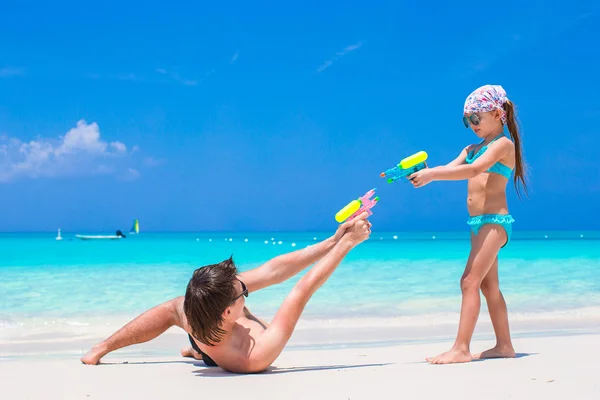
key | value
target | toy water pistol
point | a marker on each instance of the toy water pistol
(357, 207)
(406, 167)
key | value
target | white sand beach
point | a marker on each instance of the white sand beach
(546, 367)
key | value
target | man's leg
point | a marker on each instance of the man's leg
(145, 327)
(270, 343)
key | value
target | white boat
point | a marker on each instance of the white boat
(99, 237)
(135, 229)
(117, 236)
(59, 237)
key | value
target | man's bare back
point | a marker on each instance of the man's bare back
(246, 327)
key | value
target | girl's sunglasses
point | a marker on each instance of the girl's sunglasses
(473, 118)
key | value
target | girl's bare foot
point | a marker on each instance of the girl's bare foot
(190, 352)
(450, 357)
(497, 352)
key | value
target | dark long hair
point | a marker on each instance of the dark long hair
(513, 128)
(208, 294)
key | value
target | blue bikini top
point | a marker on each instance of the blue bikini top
(497, 168)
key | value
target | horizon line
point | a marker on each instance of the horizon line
(579, 231)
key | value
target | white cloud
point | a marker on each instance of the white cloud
(81, 151)
(235, 57)
(130, 175)
(338, 55)
(119, 147)
(83, 137)
(176, 77)
(167, 76)
(153, 162)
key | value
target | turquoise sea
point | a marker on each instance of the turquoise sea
(391, 275)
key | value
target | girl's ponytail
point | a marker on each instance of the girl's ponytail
(513, 128)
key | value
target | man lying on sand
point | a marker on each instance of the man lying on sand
(222, 330)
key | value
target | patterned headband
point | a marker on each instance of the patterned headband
(487, 98)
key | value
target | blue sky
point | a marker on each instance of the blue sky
(262, 116)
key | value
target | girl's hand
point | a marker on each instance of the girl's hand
(422, 177)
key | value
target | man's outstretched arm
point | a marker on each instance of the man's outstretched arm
(272, 341)
(143, 328)
(283, 267)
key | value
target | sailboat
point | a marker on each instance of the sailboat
(135, 229)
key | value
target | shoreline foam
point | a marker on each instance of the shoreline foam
(68, 339)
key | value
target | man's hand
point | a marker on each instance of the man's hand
(342, 228)
(359, 231)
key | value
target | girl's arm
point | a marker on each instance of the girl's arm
(460, 160)
(466, 171)
(459, 171)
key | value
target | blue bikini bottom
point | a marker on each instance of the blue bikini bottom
(504, 220)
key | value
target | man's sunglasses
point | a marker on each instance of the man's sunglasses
(244, 292)
(473, 118)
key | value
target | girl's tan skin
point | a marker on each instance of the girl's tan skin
(486, 195)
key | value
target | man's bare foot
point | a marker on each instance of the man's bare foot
(450, 357)
(94, 355)
(190, 352)
(496, 352)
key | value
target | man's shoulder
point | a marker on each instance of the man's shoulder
(179, 314)
(229, 356)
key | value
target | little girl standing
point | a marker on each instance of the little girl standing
(487, 166)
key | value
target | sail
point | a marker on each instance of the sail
(136, 226)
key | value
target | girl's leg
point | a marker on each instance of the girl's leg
(490, 287)
(484, 250)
